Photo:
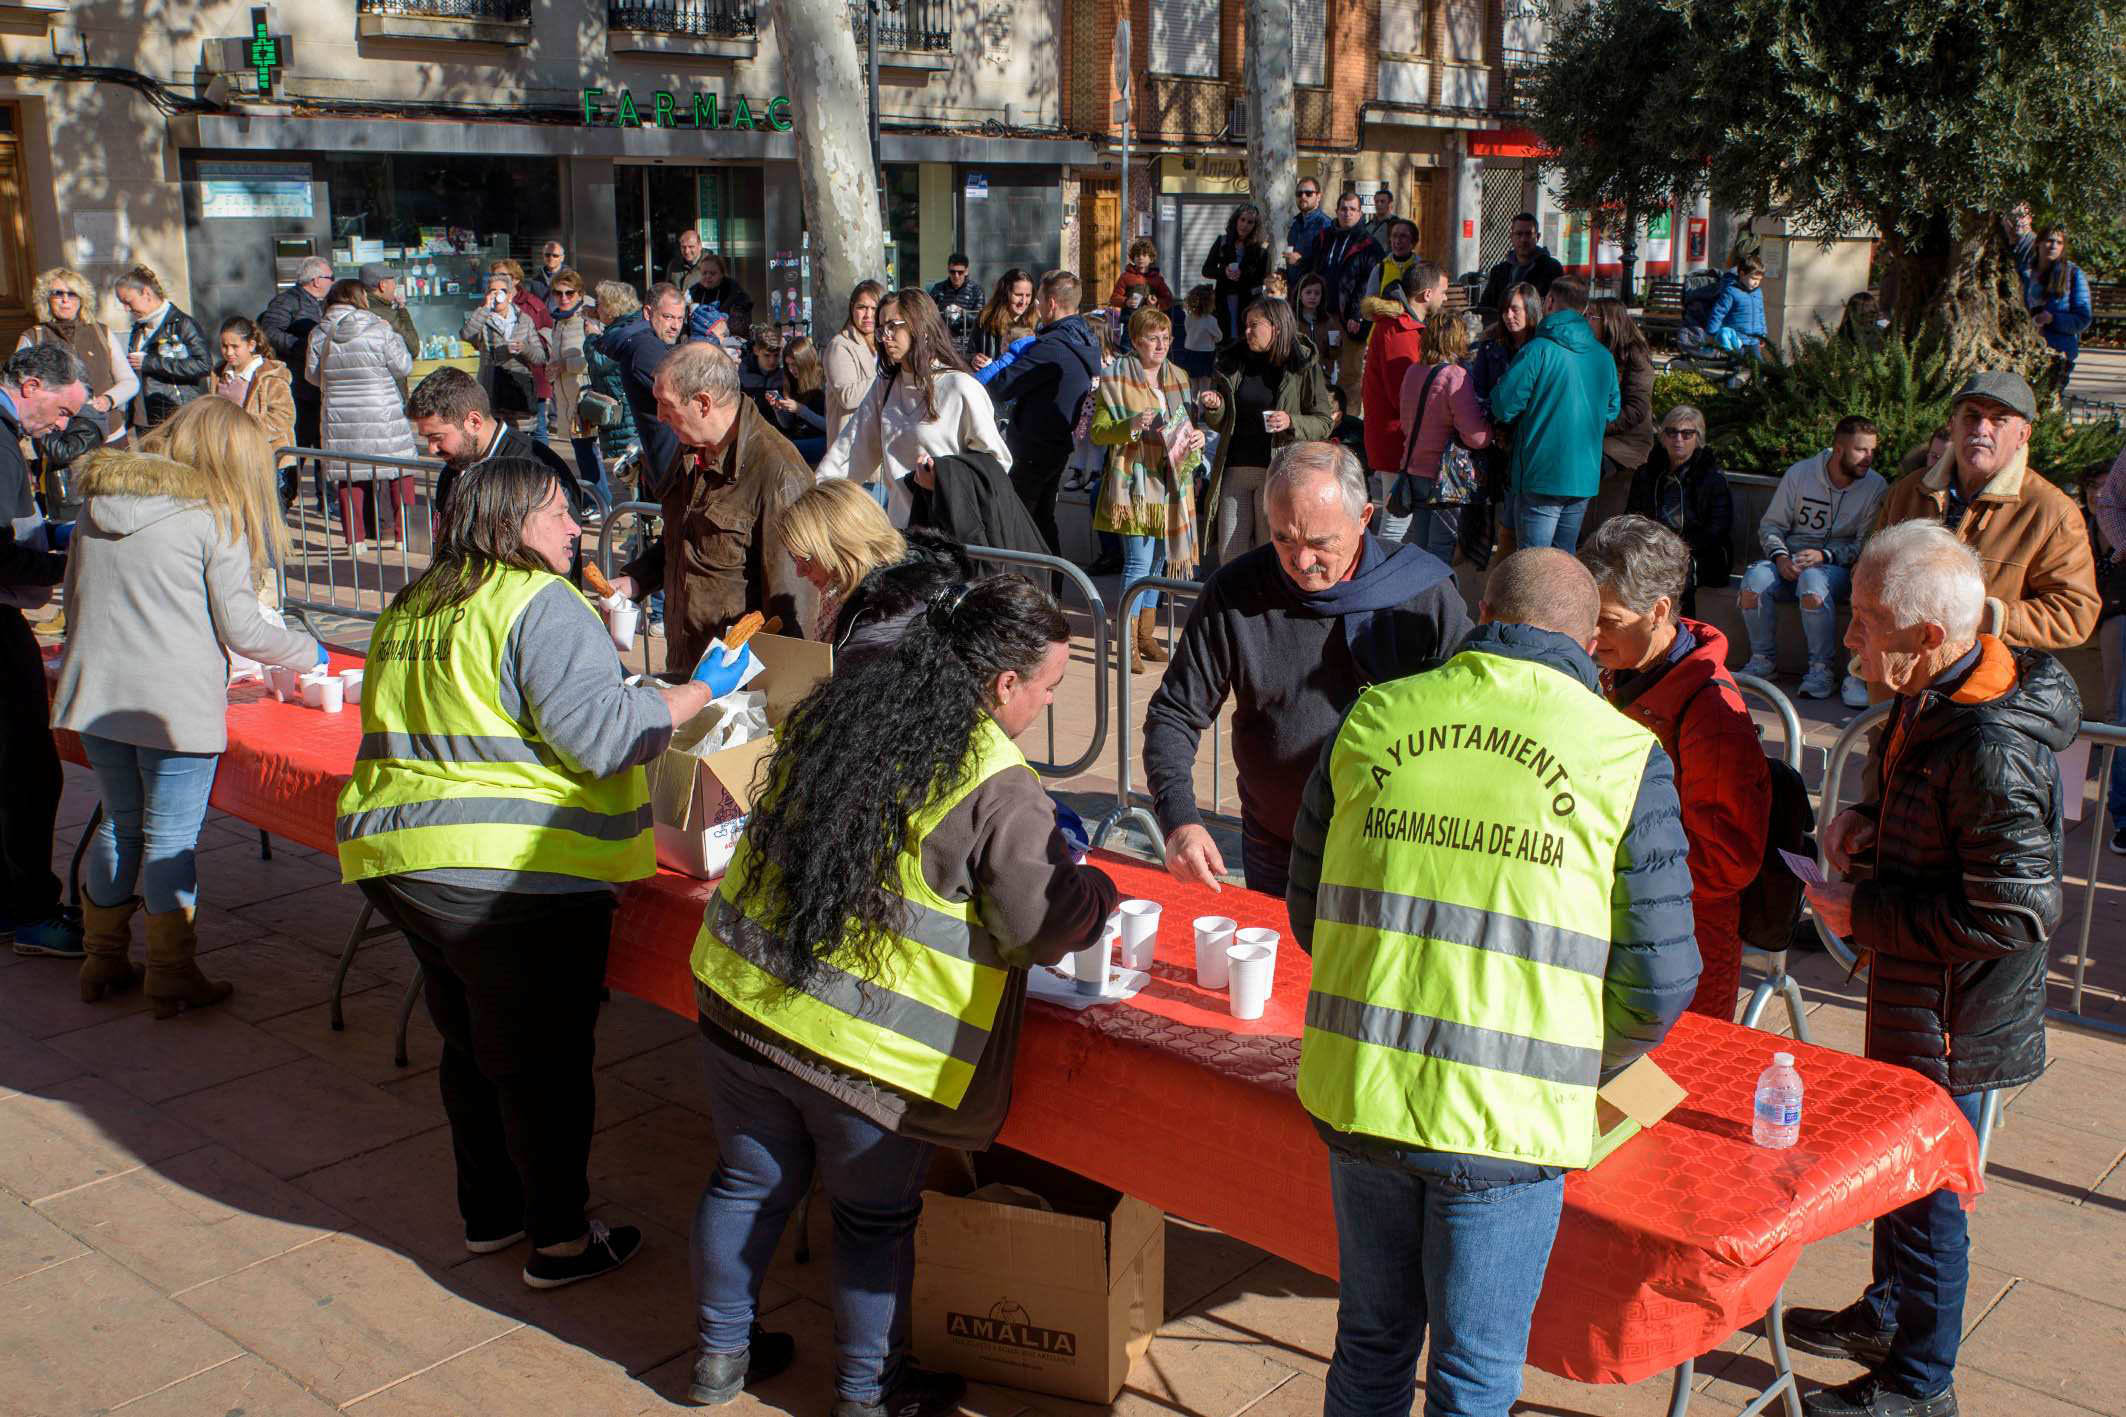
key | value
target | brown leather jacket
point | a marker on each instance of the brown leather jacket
(720, 556)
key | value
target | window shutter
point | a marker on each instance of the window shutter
(1310, 42)
(1402, 29)
(1185, 38)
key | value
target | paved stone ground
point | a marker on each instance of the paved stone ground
(241, 1210)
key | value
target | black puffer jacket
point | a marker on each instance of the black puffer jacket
(1966, 886)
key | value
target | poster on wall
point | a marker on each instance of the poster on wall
(250, 190)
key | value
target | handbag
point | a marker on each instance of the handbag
(1458, 482)
(596, 410)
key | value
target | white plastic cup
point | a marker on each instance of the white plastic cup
(351, 685)
(1257, 935)
(1214, 936)
(1140, 932)
(1089, 966)
(1266, 419)
(620, 620)
(332, 695)
(314, 691)
(286, 687)
(1251, 968)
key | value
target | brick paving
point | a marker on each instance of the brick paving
(242, 1210)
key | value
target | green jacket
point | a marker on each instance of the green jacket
(1303, 394)
(1559, 395)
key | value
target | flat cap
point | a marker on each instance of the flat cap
(2002, 386)
(374, 274)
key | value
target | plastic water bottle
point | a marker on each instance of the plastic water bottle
(1778, 1119)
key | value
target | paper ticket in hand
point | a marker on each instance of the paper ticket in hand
(724, 670)
(1801, 866)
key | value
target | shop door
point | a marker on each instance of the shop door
(722, 204)
(1099, 237)
(15, 244)
(1428, 208)
(1502, 203)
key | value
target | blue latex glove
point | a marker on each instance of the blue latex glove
(324, 656)
(1072, 826)
(721, 670)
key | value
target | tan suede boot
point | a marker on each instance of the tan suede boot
(174, 981)
(1148, 634)
(107, 935)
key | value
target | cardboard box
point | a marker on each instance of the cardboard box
(1629, 1103)
(1058, 1301)
(700, 804)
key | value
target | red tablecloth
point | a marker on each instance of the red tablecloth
(1680, 1238)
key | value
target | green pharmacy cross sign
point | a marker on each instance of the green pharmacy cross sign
(263, 53)
(702, 110)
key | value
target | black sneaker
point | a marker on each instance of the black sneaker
(1868, 1396)
(490, 1244)
(605, 1251)
(1850, 1333)
(918, 1393)
(721, 1377)
(2118, 842)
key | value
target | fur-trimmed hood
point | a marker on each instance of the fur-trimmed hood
(128, 492)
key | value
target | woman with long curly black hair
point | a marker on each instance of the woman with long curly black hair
(862, 970)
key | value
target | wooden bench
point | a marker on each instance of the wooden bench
(2107, 306)
(1664, 310)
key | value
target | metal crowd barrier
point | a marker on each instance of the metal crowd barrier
(1126, 810)
(1772, 963)
(1075, 576)
(310, 581)
(614, 515)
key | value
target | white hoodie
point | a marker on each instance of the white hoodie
(1809, 514)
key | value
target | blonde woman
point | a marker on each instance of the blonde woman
(163, 572)
(165, 347)
(836, 534)
(1144, 496)
(65, 305)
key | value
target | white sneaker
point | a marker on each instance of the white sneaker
(1761, 666)
(1818, 683)
(1854, 692)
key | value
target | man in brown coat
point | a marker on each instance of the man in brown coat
(724, 494)
(2040, 576)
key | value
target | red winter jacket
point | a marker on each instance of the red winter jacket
(1390, 351)
(1693, 707)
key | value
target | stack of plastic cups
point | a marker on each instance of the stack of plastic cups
(1251, 966)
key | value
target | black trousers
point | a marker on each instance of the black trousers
(513, 984)
(1035, 476)
(29, 771)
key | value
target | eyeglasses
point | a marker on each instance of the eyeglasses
(1310, 191)
(894, 326)
(1687, 434)
(64, 295)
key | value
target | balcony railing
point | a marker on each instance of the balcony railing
(1517, 86)
(906, 26)
(715, 19)
(499, 10)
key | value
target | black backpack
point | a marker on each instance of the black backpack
(1698, 303)
(1772, 902)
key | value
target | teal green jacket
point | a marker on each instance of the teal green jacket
(1559, 395)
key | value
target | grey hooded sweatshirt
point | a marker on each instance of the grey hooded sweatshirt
(1809, 514)
(154, 591)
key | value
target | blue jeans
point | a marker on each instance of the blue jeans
(590, 467)
(1143, 556)
(1415, 1250)
(154, 803)
(1540, 519)
(1922, 1263)
(772, 1130)
(539, 423)
(1392, 530)
(1436, 529)
(1826, 584)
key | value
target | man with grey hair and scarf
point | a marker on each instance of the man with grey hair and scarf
(42, 387)
(1959, 832)
(1292, 631)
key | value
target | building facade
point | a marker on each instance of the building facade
(222, 143)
